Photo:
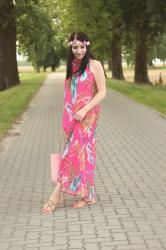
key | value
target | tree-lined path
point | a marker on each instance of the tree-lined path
(130, 209)
(134, 32)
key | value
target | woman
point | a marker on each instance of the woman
(84, 89)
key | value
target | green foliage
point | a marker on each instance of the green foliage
(158, 48)
(90, 17)
(37, 32)
(51, 59)
(43, 26)
(128, 55)
(146, 16)
(161, 47)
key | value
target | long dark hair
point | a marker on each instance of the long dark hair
(81, 36)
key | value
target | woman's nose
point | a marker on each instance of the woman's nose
(78, 49)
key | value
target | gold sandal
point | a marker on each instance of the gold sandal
(82, 203)
(50, 204)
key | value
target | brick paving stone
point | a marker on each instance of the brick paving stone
(76, 244)
(29, 248)
(76, 248)
(119, 236)
(90, 246)
(84, 236)
(136, 239)
(109, 248)
(103, 233)
(98, 239)
(153, 243)
(16, 248)
(4, 246)
(53, 248)
(114, 243)
(131, 247)
(130, 208)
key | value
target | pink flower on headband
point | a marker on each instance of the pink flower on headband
(71, 43)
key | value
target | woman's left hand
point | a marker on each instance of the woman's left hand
(80, 114)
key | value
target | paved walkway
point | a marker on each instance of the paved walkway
(130, 213)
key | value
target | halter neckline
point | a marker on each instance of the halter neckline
(76, 65)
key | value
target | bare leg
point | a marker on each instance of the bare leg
(54, 198)
(56, 192)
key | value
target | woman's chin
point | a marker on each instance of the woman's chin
(79, 57)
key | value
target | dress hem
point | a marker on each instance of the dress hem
(72, 193)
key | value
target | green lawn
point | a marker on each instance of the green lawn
(13, 101)
(153, 96)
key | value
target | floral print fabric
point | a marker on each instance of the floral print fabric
(79, 155)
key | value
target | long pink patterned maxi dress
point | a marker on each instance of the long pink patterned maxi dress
(79, 155)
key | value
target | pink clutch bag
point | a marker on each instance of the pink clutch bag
(55, 164)
(56, 159)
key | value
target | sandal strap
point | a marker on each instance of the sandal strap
(82, 203)
(47, 205)
(88, 202)
(53, 203)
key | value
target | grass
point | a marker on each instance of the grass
(158, 67)
(13, 101)
(153, 96)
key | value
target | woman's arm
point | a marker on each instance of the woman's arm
(98, 72)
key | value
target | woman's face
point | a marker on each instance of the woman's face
(78, 49)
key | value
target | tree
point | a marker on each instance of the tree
(128, 55)
(34, 31)
(51, 59)
(116, 31)
(8, 63)
(161, 48)
(145, 20)
(101, 21)
(158, 49)
(37, 32)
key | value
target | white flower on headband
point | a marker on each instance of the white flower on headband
(76, 41)
(87, 43)
(70, 43)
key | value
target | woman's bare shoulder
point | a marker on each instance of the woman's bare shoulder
(95, 65)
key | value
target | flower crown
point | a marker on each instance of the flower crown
(71, 43)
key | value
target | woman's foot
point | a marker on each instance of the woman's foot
(53, 200)
(82, 203)
(51, 204)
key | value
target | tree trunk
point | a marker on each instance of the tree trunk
(141, 60)
(150, 63)
(8, 62)
(52, 68)
(116, 57)
(102, 63)
(37, 68)
(109, 64)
